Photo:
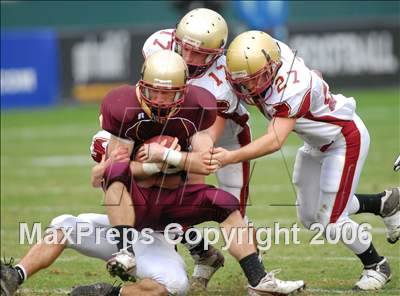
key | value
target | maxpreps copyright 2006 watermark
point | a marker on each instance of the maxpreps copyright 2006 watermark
(265, 237)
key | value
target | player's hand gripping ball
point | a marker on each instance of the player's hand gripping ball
(153, 151)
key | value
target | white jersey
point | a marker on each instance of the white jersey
(213, 79)
(298, 92)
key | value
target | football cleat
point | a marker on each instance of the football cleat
(390, 212)
(270, 285)
(206, 264)
(98, 289)
(374, 278)
(396, 166)
(9, 279)
(123, 265)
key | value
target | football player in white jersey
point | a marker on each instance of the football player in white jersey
(266, 73)
(200, 38)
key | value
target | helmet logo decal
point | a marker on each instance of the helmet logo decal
(191, 41)
(164, 83)
(239, 74)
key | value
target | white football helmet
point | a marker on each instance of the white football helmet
(252, 61)
(200, 37)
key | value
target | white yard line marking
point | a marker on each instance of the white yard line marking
(82, 160)
(48, 132)
(58, 291)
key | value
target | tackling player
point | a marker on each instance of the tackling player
(266, 73)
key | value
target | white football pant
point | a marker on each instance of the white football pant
(158, 261)
(326, 183)
(234, 178)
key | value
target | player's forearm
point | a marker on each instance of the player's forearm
(97, 175)
(217, 129)
(191, 162)
(264, 145)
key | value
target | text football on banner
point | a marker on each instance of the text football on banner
(351, 55)
(29, 68)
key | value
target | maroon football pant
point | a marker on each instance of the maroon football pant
(187, 205)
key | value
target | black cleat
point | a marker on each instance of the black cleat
(390, 212)
(206, 264)
(98, 289)
(9, 279)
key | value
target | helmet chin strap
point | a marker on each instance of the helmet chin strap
(195, 71)
(260, 97)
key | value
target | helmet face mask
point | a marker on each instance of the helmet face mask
(162, 86)
(163, 102)
(249, 88)
(200, 38)
(198, 59)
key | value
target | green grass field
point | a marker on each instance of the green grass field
(45, 167)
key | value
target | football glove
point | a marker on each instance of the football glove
(99, 145)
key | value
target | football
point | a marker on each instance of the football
(169, 140)
(159, 139)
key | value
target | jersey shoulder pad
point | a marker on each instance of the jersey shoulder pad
(157, 41)
(203, 101)
(214, 80)
(119, 110)
(290, 94)
(200, 96)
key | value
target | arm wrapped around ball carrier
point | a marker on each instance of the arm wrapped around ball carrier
(191, 162)
(123, 172)
(117, 172)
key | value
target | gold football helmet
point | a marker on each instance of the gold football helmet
(252, 60)
(200, 37)
(162, 85)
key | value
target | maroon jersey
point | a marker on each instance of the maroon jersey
(124, 117)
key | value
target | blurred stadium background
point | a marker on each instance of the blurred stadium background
(59, 58)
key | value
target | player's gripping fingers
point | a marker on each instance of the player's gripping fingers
(120, 154)
(121, 158)
(144, 153)
(141, 154)
(212, 168)
(174, 144)
(207, 157)
(222, 155)
(217, 153)
(152, 152)
(155, 152)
